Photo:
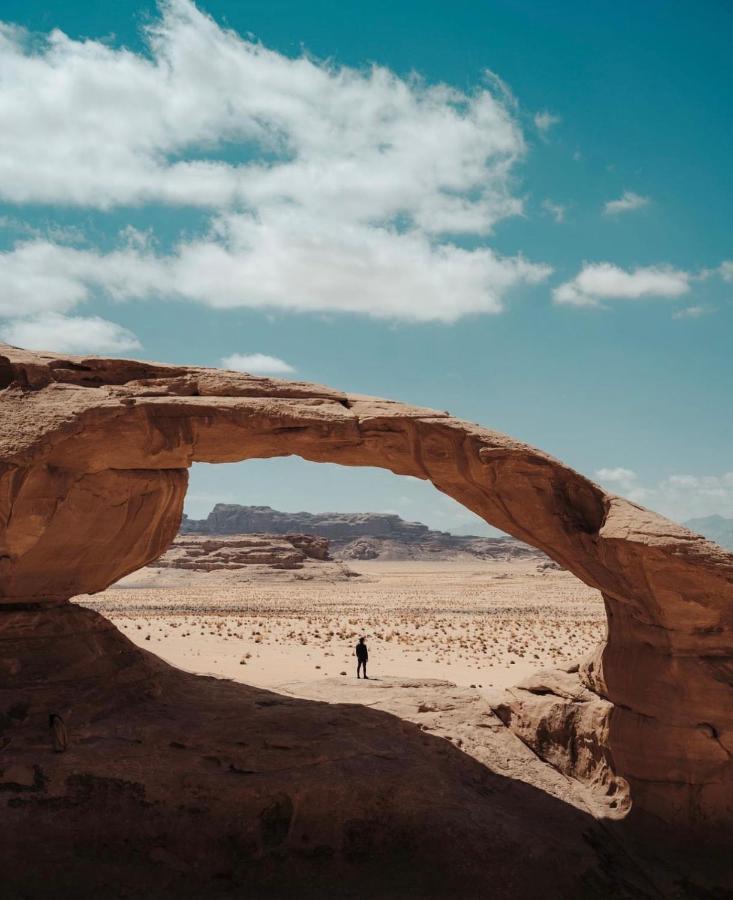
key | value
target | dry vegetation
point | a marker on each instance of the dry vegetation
(479, 623)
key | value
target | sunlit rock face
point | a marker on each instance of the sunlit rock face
(93, 470)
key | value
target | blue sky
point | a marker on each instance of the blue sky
(517, 211)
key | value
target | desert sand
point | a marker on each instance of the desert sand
(479, 624)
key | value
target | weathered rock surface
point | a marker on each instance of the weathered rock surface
(566, 724)
(211, 554)
(93, 460)
(359, 535)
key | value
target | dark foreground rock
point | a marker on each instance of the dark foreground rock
(174, 785)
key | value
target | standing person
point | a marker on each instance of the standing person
(362, 656)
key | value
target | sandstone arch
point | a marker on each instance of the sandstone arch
(94, 455)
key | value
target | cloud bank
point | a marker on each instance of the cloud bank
(328, 188)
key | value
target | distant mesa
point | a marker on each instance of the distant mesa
(714, 528)
(358, 536)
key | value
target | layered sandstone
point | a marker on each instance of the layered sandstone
(93, 467)
(212, 554)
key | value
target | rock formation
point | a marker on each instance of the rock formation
(210, 554)
(359, 535)
(567, 724)
(231, 518)
(93, 469)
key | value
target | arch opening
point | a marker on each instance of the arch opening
(245, 592)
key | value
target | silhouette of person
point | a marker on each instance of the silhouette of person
(362, 656)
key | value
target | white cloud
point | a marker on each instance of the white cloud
(69, 334)
(283, 262)
(687, 496)
(545, 120)
(725, 270)
(692, 312)
(678, 496)
(618, 475)
(257, 364)
(687, 481)
(556, 210)
(604, 281)
(626, 203)
(132, 128)
(350, 183)
(40, 276)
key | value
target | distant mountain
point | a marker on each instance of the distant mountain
(358, 535)
(480, 529)
(714, 528)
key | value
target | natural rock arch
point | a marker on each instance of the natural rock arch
(93, 471)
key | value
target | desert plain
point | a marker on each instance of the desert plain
(478, 623)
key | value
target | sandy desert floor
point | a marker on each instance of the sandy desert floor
(482, 624)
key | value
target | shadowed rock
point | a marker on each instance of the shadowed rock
(176, 785)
